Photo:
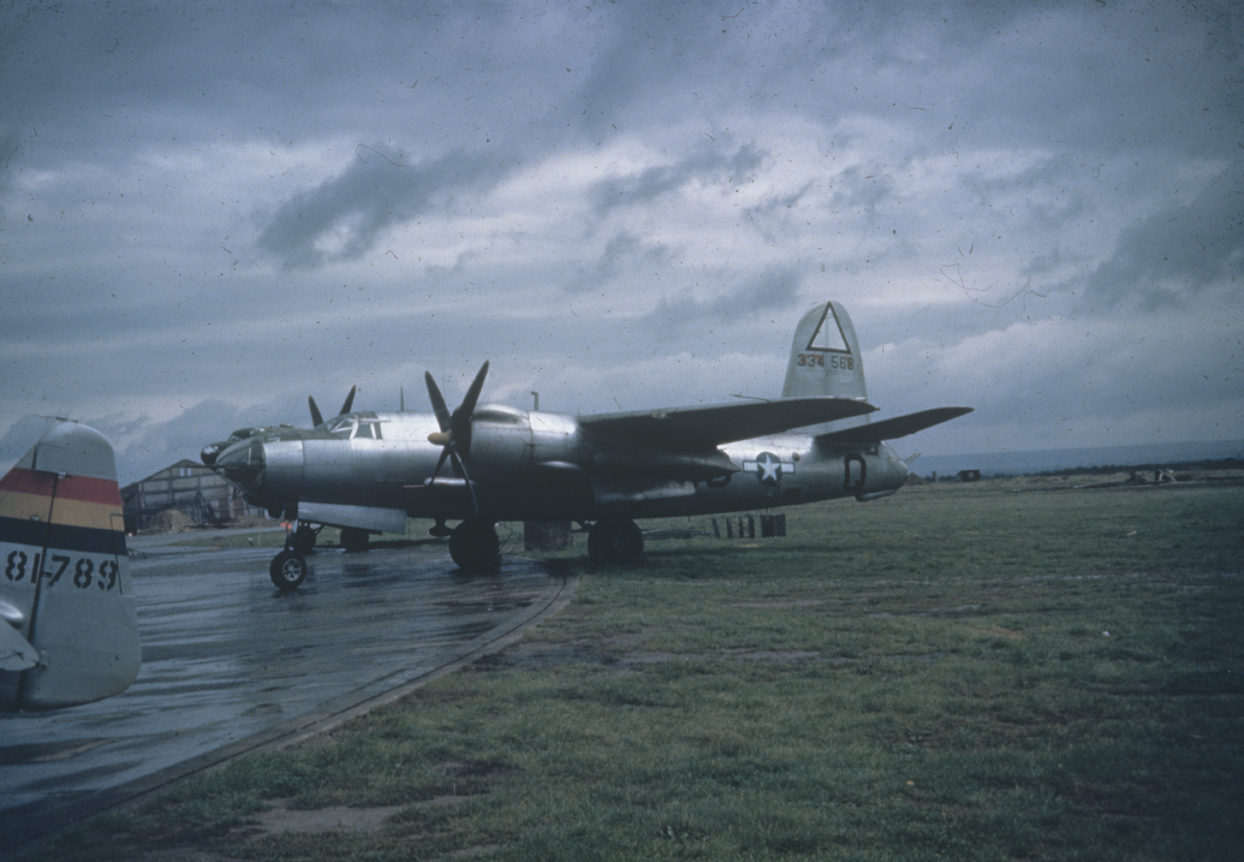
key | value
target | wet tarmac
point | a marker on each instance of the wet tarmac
(231, 664)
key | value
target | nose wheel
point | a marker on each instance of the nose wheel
(288, 570)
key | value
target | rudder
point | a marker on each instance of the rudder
(825, 356)
(71, 630)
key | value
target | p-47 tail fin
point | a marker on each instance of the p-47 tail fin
(69, 632)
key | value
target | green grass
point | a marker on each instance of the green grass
(961, 672)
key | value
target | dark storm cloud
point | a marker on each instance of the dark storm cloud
(775, 288)
(343, 217)
(1175, 253)
(1051, 192)
(625, 254)
(10, 151)
(708, 166)
(639, 180)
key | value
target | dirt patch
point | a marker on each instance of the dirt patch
(633, 639)
(1000, 632)
(337, 818)
(473, 768)
(542, 656)
(779, 605)
(180, 854)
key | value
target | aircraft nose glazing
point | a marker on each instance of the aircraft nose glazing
(210, 452)
(241, 463)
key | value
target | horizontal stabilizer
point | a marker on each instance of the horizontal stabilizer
(899, 426)
(16, 653)
(693, 428)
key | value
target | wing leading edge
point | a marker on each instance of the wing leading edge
(891, 429)
(692, 428)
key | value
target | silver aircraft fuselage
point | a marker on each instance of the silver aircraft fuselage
(530, 465)
(368, 472)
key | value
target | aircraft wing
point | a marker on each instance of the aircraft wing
(898, 426)
(690, 428)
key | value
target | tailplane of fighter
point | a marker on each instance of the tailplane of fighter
(483, 463)
(69, 633)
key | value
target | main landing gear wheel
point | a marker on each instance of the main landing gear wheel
(474, 546)
(615, 541)
(288, 570)
(354, 539)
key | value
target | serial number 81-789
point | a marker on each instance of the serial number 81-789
(84, 570)
(845, 363)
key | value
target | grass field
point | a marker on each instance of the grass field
(1005, 670)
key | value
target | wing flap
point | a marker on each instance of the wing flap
(898, 426)
(690, 428)
(361, 517)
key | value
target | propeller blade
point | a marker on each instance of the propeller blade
(461, 419)
(349, 402)
(460, 467)
(454, 438)
(316, 418)
(468, 404)
(439, 464)
(438, 403)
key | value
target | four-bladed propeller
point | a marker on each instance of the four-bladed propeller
(317, 419)
(455, 434)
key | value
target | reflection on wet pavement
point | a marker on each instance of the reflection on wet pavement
(228, 660)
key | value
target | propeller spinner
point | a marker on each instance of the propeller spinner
(454, 438)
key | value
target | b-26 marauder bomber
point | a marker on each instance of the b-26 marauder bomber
(69, 629)
(368, 472)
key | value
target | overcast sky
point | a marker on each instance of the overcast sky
(209, 211)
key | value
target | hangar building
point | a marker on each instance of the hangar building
(202, 498)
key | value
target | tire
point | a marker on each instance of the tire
(288, 570)
(474, 546)
(354, 540)
(615, 541)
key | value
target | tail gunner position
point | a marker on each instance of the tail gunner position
(368, 472)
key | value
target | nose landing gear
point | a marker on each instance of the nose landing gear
(288, 570)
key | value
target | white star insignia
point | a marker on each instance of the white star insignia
(769, 468)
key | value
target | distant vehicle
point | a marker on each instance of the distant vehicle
(368, 472)
(69, 633)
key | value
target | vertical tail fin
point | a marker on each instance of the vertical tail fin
(69, 629)
(825, 356)
(825, 360)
